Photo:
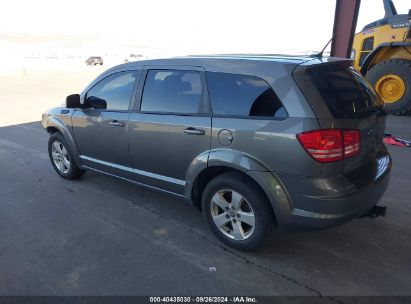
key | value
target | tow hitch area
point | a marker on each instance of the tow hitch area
(374, 212)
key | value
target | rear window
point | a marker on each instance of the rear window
(243, 95)
(345, 92)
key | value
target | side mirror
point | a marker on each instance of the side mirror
(73, 101)
(93, 102)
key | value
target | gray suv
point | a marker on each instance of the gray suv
(254, 141)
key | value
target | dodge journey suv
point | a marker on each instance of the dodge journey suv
(254, 141)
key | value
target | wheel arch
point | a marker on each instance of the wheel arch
(202, 179)
(225, 160)
(52, 125)
(386, 51)
(52, 130)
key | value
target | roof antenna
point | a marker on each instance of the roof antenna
(320, 54)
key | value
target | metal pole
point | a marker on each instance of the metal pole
(345, 22)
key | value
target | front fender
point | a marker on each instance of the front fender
(50, 121)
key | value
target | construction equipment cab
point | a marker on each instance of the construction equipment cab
(382, 53)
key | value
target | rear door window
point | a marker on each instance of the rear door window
(172, 91)
(243, 95)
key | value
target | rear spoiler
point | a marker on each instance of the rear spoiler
(323, 63)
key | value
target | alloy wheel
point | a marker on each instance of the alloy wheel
(232, 214)
(60, 157)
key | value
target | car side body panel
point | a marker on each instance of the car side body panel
(161, 152)
(102, 145)
(272, 142)
(101, 134)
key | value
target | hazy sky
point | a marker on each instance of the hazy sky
(208, 25)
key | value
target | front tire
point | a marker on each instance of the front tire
(237, 211)
(62, 159)
(392, 81)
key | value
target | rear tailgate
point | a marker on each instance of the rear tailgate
(342, 98)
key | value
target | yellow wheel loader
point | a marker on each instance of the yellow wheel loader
(382, 53)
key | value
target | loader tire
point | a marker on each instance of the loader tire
(392, 81)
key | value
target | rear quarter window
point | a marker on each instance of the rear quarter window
(243, 95)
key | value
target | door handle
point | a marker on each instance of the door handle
(116, 123)
(194, 131)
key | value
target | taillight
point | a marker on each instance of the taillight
(351, 142)
(330, 145)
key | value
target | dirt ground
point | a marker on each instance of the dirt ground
(26, 93)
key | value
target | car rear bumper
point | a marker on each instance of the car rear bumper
(315, 203)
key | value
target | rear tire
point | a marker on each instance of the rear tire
(399, 68)
(62, 159)
(237, 211)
